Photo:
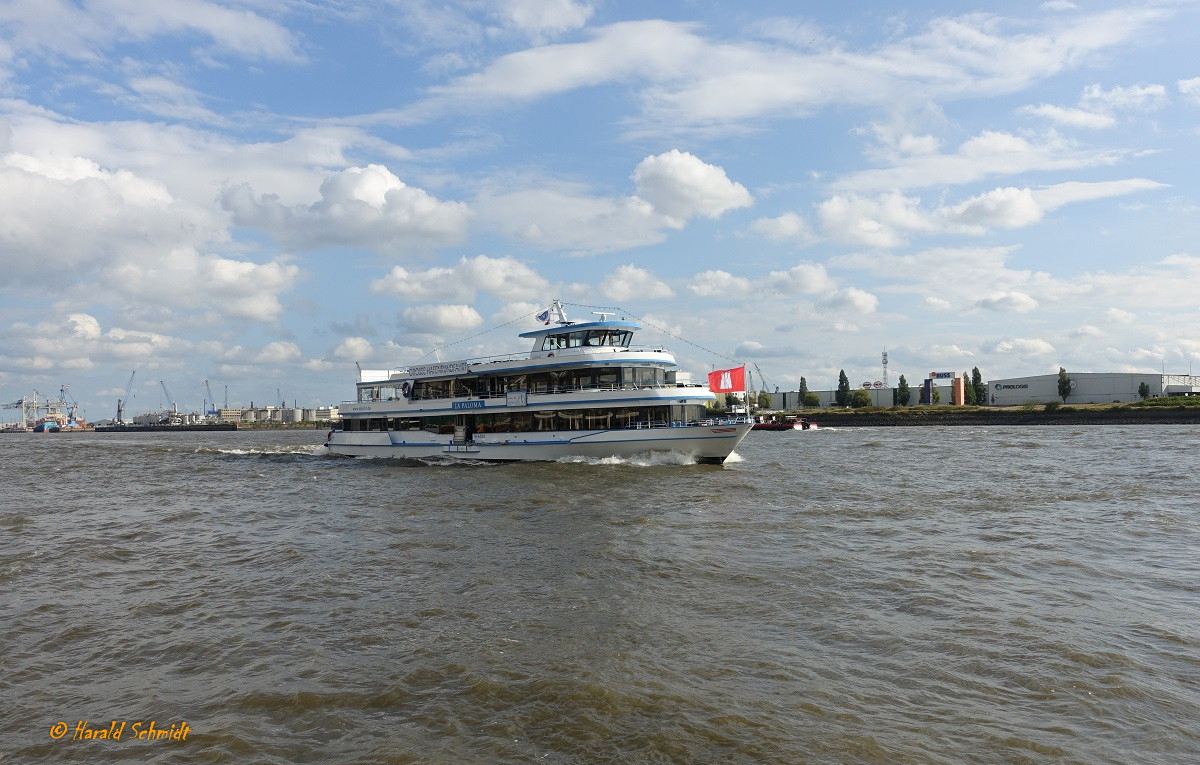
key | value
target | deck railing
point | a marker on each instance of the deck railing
(551, 390)
(525, 355)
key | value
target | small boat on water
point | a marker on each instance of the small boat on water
(583, 390)
(784, 423)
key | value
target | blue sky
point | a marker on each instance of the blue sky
(262, 194)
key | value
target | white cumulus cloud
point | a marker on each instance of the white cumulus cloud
(1097, 107)
(801, 279)
(80, 342)
(368, 207)
(788, 227)
(1008, 302)
(1140, 97)
(630, 282)
(991, 153)
(279, 352)
(850, 300)
(681, 186)
(1072, 117)
(442, 318)
(539, 18)
(556, 215)
(891, 219)
(239, 289)
(1003, 208)
(1021, 346)
(883, 221)
(1190, 89)
(353, 349)
(718, 283)
(671, 188)
(506, 278)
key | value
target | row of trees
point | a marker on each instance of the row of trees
(975, 391)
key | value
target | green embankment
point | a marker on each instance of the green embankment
(1178, 409)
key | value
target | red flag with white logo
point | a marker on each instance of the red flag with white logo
(727, 380)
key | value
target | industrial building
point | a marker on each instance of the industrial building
(1087, 388)
(279, 414)
(1090, 388)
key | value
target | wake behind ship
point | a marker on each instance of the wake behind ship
(583, 390)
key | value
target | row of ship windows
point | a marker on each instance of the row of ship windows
(540, 382)
(519, 422)
(586, 338)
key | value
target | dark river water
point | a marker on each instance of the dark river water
(893, 595)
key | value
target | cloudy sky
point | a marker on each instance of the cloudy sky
(262, 193)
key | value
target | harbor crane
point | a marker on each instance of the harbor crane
(762, 380)
(212, 408)
(170, 401)
(29, 406)
(64, 395)
(122, 403)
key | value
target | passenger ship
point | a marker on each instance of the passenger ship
(582, 391)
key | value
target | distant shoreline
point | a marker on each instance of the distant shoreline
(228, 426)
(919, 416)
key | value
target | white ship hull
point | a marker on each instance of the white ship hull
(582, 391)
(707, 443)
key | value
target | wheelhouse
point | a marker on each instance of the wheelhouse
(591, 336)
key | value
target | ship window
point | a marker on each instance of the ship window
(514, 382)
(610, 337)
(431, 389)
(578, 378)
(687, 413)
(608, 377)
(542, 382)
(368, 393)
(647, 376)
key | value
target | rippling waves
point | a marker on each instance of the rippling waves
(924, 595)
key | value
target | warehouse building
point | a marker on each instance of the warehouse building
(1087, 388)
(1090, 388)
